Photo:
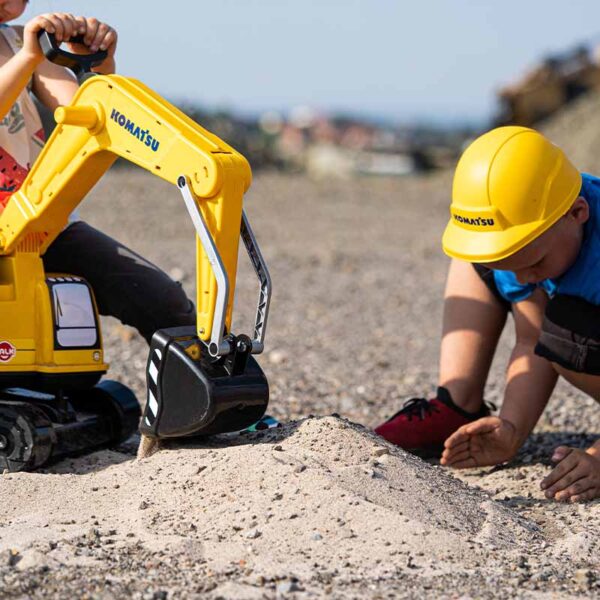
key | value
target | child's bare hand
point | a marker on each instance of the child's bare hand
(97, 35)
(484, 442)
(576, 477)
(62, 25)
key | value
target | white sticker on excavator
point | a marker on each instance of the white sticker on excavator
(75, 318)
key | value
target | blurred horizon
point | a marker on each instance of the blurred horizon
(433, 63)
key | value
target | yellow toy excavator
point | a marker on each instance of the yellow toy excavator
(201, 380)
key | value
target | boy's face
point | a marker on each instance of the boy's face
(11, 9)
(552, 253)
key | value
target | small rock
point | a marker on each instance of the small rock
(9, 558)
(286, 587)
(277, 357)
(316, 536)
(253, 534)
(582, 576)
(379, 451)
(33, 559)
(177, 274)
(300, 468)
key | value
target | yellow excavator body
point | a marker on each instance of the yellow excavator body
(201, 379)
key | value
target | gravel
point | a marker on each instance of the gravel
(321, 506)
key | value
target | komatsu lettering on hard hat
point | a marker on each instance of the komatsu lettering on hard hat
(141, 134)
(479, 221)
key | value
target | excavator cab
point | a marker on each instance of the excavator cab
(201, 380)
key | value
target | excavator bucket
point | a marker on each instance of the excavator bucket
(192, 393)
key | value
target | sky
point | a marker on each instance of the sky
(427, 60)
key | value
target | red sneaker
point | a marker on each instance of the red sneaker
(422, 426)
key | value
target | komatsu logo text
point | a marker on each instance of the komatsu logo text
(478, 221)
(135, 130)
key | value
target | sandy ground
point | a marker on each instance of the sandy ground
(321, 507)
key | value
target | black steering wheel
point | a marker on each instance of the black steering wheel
(80, 64)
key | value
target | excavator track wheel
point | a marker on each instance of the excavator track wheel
(116, 401)
(25, 437)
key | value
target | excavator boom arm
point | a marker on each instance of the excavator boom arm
(113, 116)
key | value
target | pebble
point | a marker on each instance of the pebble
(252, 534)
(276, 357)
(286, 587)
(583, 576)
(9, 558)
(32, 559)
(177, 274)
(379, 451)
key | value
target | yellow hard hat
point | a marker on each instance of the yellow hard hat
(510, 185)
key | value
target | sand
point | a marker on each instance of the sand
(319, 496)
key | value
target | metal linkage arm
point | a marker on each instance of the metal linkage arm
(217, 346)
(264, 294)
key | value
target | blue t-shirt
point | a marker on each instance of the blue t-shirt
(583, 278)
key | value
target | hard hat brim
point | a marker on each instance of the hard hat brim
(489, 246)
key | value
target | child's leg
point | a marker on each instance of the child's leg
(570, 340)
(473, 321)
(126, 285)
(589, 384)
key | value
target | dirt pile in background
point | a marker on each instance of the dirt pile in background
(576, 129)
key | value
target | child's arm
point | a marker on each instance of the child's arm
(530, 380)
(18, 70)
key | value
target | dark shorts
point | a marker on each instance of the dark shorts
(570, 334)
(126, 286)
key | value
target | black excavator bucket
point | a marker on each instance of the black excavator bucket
(192, 393)
(38, 428)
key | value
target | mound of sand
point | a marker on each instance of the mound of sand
(318, 494)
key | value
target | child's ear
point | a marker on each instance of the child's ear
(580, 210)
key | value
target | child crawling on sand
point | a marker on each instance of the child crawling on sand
(126, 285)
(524, 236)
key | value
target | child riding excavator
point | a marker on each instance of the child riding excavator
(201, 380)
